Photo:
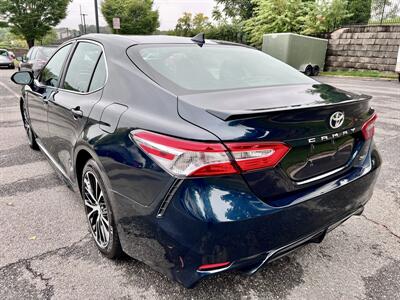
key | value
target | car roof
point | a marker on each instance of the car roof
(112, 40)
(44, 47)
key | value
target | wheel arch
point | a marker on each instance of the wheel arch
(83, 153)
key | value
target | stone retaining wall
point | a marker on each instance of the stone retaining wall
(363, 48)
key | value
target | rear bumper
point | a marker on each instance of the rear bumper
(220, 219)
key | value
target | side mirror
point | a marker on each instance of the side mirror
(22, 77)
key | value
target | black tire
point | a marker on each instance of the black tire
(28, 129)
(316, 70)
(113, 247)
(309, 70)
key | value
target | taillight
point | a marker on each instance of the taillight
(183, 158)
(368, 129)
(253, 156)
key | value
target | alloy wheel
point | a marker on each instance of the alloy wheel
(96, 209)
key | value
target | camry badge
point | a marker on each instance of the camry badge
(336, 119)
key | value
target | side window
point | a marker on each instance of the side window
(81, 67)
(99, 76)
(51, 73)
(28, 55)
(33, 53)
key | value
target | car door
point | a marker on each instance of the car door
(42, 90)
(70, 107)
(28, 59)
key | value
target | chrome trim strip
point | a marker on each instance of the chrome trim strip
(215, 270)
(105, 59)
(52, 160)
(168, 197)
(329, 173)
(321, 176)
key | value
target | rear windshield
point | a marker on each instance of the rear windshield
(45, 53)
(212, 67)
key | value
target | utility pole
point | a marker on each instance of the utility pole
(84, 22)
(80, 13)
(83, 19)
(96, 14)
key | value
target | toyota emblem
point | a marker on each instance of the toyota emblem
(336, 119)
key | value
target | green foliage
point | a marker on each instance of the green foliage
(277, 16)
(225, 31)
(362, 73)
(238, 10)
(10, 40)
(32, 19)
(298, 16)
(200, 22)
(187, 25)
(184, 26)
(136, 16)
(385, 9)
(360, 11)
(334, 13)
(50, 38)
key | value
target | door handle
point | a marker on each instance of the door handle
(77, 113)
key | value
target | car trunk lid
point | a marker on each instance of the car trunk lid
(298, 115)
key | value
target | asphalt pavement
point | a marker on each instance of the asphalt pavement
(46, 251)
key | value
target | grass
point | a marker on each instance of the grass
(362, 73)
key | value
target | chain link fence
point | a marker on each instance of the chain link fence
(385, 12)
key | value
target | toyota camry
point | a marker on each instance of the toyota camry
(198, 156)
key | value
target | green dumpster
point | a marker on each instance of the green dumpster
(304, 53)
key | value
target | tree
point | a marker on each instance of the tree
(200, 22)
(298, 16)
(385, 9)
(360, 11)
(272, 16)
(335, 13)
(33, 19)
(236, 9)
(184, 25)
(136, 16)
(10, 40)
(50, 38)
(187, 25)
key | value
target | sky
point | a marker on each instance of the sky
(169, 10)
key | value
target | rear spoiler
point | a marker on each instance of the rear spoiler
(228, 115)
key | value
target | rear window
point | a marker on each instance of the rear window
(45, 53)
(213, 67)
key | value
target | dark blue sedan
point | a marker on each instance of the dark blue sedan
(196, 156)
